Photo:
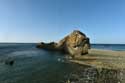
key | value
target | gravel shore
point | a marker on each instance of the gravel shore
(102, 59)
(99, 66)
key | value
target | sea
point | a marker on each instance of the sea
(115, 47)
(33, 65)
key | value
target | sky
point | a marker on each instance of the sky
(103, 21)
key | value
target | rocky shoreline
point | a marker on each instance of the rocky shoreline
(87, 74)
(99, 66)
(100, 62)
(77, 46)
(74, 44)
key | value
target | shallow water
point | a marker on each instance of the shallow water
(34, 65)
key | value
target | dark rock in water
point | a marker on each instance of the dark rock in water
(74, 44)
(48, 46)
(9, 62)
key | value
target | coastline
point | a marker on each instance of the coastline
(102, 59)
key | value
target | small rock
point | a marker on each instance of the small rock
(9, 62)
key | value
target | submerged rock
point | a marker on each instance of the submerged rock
(9, 62)
(74, 44)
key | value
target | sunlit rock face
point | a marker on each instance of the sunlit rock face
(74, 44)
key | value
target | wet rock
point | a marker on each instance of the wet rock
(76, 43)
(9, 62)
(94, 75)
(48, 46)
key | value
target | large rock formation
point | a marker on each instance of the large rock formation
(74, 44)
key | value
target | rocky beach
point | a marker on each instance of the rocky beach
(104, 66)
(77, 46)
(98, 62)
(103, 59)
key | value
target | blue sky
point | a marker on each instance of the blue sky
(103, 21)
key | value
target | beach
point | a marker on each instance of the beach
(102, 59)
(105, 66)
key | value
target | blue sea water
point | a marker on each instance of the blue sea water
(116, 47)
(34, 65)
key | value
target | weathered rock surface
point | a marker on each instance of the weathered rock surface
(74, 44)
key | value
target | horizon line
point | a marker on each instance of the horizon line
(47, 42)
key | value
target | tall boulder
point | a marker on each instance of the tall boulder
(75, 43)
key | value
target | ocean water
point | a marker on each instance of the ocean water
(116, 47)
(34, 65)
